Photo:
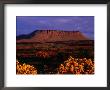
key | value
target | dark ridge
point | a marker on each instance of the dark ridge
(27, 36)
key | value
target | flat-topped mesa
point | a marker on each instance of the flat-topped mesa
(52, 36)
(59, 32)
(47, 31)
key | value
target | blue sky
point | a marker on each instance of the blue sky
(28, 24)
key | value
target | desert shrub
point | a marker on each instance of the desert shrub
(25, 68)
(76, 66)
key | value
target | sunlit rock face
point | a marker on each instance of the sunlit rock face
(51, 36)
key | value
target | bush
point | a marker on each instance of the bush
(25, 69)
(76, 66)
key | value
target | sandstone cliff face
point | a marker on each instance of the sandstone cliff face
(52, 36)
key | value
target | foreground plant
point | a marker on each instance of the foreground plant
(25, 68)
(76, 66)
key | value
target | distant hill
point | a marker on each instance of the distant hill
(51, 36)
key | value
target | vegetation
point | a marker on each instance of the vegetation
(76, 66)
(69, 66)
(25, 68)
(66, 57)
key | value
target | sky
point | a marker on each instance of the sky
(28, 24)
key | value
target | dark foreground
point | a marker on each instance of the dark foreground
(49, 57)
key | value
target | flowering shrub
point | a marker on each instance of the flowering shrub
(25, 69)
(76, 66)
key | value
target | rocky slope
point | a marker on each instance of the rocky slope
(51, 36)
